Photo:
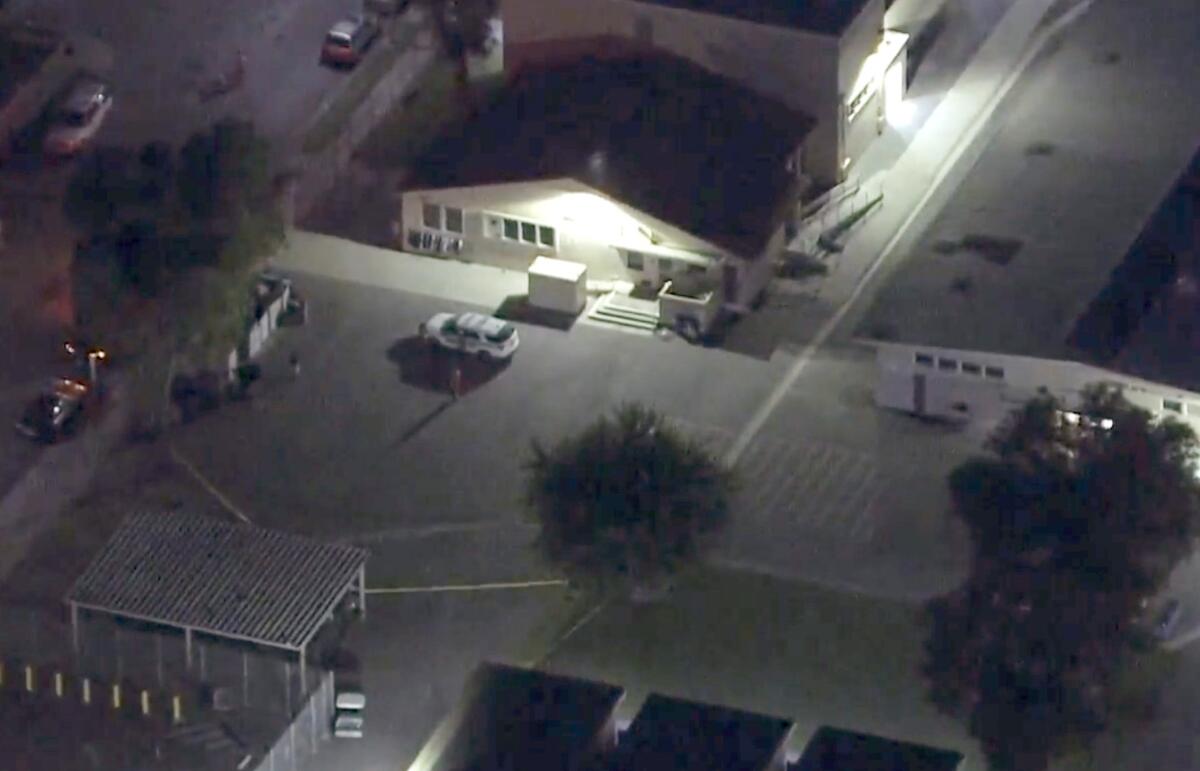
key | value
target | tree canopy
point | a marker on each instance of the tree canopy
(163, 273)
(628, 501)
(1076, 518)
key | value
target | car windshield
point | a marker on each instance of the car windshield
(502, 334)
(338, 39)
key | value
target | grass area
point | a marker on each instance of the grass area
(818, 656)
(360, 82)
(410, 127)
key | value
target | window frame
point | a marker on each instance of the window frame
(552, 242)
(428, 207)
(632, 256)
(462, 220)
(516, 229)
(531, 236)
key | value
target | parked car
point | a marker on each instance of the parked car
(55, 412)
(489, 338)
(1168, 619)
(348, 40)
(348, 715)
(78, 118)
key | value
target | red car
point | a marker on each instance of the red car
(347, 41)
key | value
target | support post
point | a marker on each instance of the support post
(75, 628)
(158, 658)
(303, 673)
(245, 678)
(362, 591)
(187, 647)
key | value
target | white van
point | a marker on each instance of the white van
(348, 715)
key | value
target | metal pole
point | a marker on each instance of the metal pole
(287, 689)
(75, 628)
(203, 660)
(362, 591)
(187, 647)
(245, 678)
(303, 673)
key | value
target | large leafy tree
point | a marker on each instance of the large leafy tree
(163, 274)
(628, 501)
(1075, 519)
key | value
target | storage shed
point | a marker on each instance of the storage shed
(558, 285)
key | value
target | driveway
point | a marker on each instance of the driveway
(162, 50)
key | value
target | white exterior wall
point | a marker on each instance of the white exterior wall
(957, 395)
(590, 228)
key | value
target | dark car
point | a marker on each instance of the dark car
(55, 412)
(347, 41)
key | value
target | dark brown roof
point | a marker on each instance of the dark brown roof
(827, 17)
(832, 749)
(512, 719)
(654, 132)
(687, 736)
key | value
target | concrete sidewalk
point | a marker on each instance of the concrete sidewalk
(948, 135)
(474, 284)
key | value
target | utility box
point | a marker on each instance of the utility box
(558, 285)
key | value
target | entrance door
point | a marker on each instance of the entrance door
(730, 283)
(919, 394)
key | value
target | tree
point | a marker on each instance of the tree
(225, 171)
(164, 276)
(1075, 519)
(627, 502)
(465, 25)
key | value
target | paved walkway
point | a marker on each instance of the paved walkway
(471, 283)
(948, 136)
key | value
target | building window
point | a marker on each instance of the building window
(1173, 406)
(948, 365)
(635, 261)
(431, 215)
(666, 265)
(996, 373)
(546, 236)
(971, 369)
(529, 232)
(512, 230)
(924, 359)
(454, 219)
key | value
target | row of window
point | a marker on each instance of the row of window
(521, 231)
(666, 265)
(1180, 408)
(945, 364)
(448, 218)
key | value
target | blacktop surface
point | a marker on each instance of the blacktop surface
(845, 496)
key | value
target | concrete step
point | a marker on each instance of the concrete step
(606, 312)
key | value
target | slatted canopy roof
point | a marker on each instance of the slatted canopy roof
(222, 579)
